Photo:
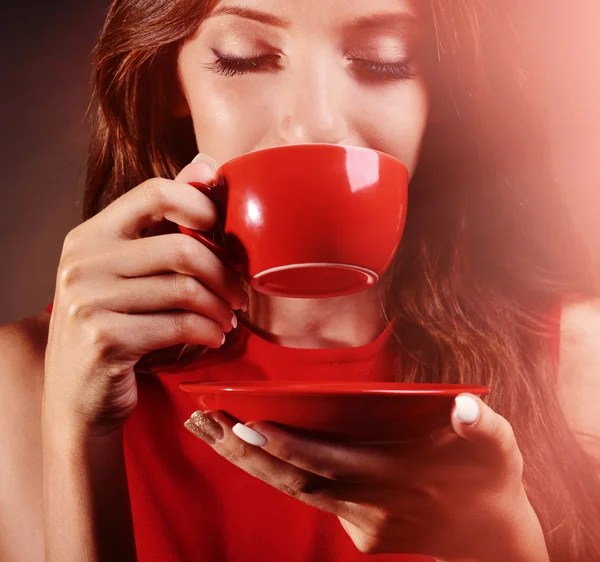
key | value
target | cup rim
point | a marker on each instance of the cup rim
(332, 146)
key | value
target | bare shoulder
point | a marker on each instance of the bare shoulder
(22, 351)
(24, 341)
(580, 339)
(579, 370)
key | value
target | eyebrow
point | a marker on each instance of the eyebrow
(250, 14)
(401, 20)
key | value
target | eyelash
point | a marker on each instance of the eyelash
(402, 70)
(378, 71)
(238, 67)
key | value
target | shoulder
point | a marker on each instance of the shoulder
(580, 336)
(23, 344)
(582, 310)
(579, 370)
(22, 351)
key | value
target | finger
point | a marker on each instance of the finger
(373, 537)
(309, 488)
(201, 169)
(154, 201)
(194, 172)
(180, 254)
(338, 462)
(164, 293)
(475, 421)
(139, 334)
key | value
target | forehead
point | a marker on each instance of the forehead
(315, 13)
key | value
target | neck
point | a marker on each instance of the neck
(349, 321)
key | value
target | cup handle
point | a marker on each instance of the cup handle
(216, 248)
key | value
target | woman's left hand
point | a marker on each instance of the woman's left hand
(458, 496)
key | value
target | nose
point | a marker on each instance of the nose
(312, 107)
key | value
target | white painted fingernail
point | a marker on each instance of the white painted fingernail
(207, 160)
(234, 321)
(467, 409)
(249, 435)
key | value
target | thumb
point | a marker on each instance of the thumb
(201, 169)
(475, 421)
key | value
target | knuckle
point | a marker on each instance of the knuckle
(337, 474)
(287, 454)
(297, 485)
(187, 289)
(78, 310)
(210, 264)
(235, 455)
(69, 273)
(189, 326)
(186, 250)
(100, 337)
(153, 191)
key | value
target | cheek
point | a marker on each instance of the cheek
(228, 120)
(396, 122)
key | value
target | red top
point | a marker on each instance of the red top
(189, 503)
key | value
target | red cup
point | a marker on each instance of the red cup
(308, 220)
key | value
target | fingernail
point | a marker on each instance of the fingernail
(223, 340)
(234, 321)
(204, 427)
(196, 431)
(248, 435)
(466, 410)
(207, 160)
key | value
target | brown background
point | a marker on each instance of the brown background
(45, 60)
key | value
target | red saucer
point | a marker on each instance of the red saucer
(357, 412)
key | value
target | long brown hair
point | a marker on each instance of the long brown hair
(487, 252)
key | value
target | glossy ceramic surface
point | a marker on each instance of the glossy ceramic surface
(356, 412)
(309, 220)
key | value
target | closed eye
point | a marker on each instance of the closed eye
(230, 66)
(376, 70)
(366, 69)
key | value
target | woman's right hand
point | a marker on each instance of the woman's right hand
(120, 295)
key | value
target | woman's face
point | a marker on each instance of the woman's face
(263, 73)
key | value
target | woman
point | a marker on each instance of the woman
(96, 424)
